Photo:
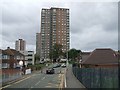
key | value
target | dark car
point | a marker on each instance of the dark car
(50, 71)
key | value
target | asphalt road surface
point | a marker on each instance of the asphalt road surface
(40, 80)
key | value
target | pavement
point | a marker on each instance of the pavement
(71, 80)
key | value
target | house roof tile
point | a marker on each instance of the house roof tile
(11, 52)
(102, 56)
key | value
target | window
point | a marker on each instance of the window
(54, 10)
(5, 65)
(42, 34)
(0, 56)
(29, 54)
(43, 22)
(17, 57)
(67, 10)
(29, 59)
(15, 65)
(30, 51)
(22, 57)
(5, 57)
(0, 66)
(43, 10)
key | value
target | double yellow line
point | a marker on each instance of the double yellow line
(5, 87)
(16, 82)
(62, 81)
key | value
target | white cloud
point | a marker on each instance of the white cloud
(31, 48)
(6, 44)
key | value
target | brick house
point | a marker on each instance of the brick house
(101, 58)
(11, 58)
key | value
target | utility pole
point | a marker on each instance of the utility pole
(67, 59)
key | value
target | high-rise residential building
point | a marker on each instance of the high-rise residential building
(54, 30)
(20, 45)
(38, 43)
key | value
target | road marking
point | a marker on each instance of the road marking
(34, 74)
(15, 82)
(31, 87)
(5, 87)
(37, 83)
(22, 80)
(49, 83)
(43, 78)
(48, 86)
(63, 80)
(65, 83)
(59, 75)
(57, 85)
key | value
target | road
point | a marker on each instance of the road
(40, 80)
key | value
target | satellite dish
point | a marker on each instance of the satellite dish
(21, 63)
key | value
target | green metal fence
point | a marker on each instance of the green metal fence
(97, 77)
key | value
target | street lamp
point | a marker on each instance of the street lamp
(67, 60)
(80, 63)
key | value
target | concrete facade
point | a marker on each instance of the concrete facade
(54, 30)
(38, 44)
(29, 57)
(20, 45)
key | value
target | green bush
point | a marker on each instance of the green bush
(36, 67)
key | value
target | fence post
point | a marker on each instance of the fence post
(100, 78)
(81, 74)
(118, 75)
(9, 77)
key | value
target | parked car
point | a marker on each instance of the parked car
(63, 65)
(56, 65)
(50, 71)
(42, 62)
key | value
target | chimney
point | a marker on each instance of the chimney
(8, 47)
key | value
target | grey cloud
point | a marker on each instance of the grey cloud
(22, 20)
(14, 14)
(97, 38)
(89, 14)
(91, 24)
(25, 31)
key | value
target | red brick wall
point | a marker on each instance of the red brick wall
(10, 71)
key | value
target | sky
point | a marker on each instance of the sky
(93, 23)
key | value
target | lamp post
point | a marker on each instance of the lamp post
(67, 60)
(80, 63)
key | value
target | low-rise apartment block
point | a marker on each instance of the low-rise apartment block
(29, 57)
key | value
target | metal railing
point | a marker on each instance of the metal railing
(9, 76)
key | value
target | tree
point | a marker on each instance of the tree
(73, 54)
(37, 58)
(56, 52)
